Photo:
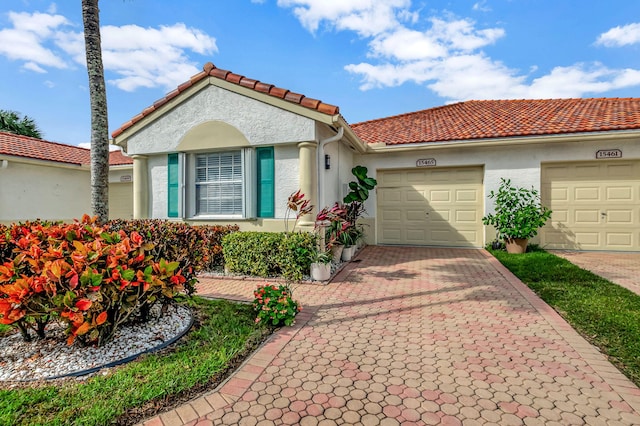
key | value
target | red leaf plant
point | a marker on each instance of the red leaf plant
(79, 273)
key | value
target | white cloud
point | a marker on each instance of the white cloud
(32, 66)
(481, 6)
(133, 56)
(366, 17)
(448, 55)
(620, 36)
(87, 145)
(26, 40)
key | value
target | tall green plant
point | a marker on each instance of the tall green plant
(361, 186)
(518, 212)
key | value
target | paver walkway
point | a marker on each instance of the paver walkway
(418, 336)
(620, 268)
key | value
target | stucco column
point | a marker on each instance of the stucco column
(308, 181)
(140, 187)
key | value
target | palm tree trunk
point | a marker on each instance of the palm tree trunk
(99, 120)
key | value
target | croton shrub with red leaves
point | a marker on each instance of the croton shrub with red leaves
(80, 273)
(196, 248)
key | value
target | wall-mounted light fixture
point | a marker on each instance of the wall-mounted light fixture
(327, 161)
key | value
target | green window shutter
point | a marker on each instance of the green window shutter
(173, 190)
(266, 182)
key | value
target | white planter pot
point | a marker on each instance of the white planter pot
(348, 252)
(320, 271)
(336, 251)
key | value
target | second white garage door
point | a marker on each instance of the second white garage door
(430, 207)
(596, 205)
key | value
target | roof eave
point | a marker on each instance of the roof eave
(41, 162)
(520, 140)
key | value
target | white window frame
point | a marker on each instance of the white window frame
(189, 186)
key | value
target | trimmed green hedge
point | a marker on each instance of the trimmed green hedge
(269, 254)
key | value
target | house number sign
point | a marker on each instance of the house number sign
(609, 153)
(426, 162)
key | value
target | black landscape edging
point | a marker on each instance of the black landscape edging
(123, 360)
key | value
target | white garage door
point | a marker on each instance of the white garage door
(120, 201)
(596, 205)
(430, 207)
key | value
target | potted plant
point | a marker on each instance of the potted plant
(348, 242)
(321, 265)
(518, 215)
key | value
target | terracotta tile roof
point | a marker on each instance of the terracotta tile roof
(117, 158)
(39, 149)
(210, 70)
(473, 120)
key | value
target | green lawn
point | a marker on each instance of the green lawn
(606, 314)
(226, 333)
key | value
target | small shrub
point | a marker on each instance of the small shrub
(275, 305)
(269, 254)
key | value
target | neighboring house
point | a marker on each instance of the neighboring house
(223, 148)
(48, 180)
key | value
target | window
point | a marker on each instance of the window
(218, 185)
(219, 188)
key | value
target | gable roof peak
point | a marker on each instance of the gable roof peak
(210, 70)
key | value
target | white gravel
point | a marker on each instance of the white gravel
(52, 357)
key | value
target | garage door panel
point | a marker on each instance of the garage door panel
(620, 193)
(559, 215)
(415, 215)
(466, 216)
(440, 195)
(560, 194)
(414, 177)
(619, 240)
(590, 194)
(587, 216)
(438, 207)
(387, 196)
(416, 236)
(619, 170)
(602, 210)
(440, 216)
(467, 195)
(620, 217)
(417, 196)
(588, 239)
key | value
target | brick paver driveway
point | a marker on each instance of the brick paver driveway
(620, 268)
(418, 336)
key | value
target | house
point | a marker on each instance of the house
(224, 148)
(51, 181)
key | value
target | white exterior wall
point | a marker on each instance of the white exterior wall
(121, 174)
(158, 179)
(331, 181)
(260, 123)
(520, 162)
(287, 176)
(32, 191)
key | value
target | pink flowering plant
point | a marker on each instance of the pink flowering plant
(297, 206)
(275, 305)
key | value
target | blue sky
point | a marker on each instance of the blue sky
(372, 58)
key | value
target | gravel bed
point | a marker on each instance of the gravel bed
(52, 357)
